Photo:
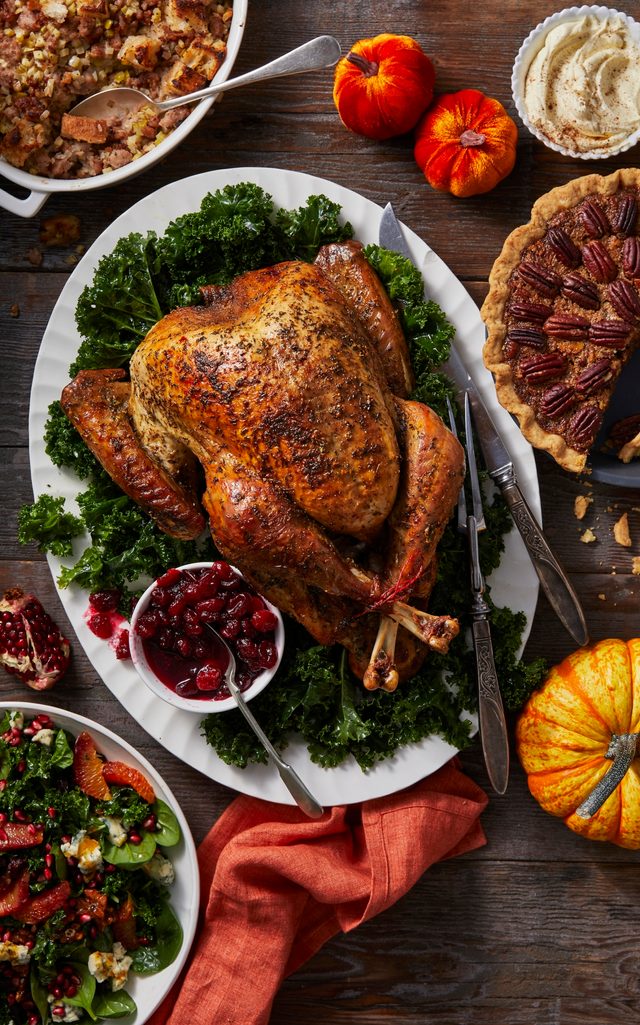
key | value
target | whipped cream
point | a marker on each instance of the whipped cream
(582, 89)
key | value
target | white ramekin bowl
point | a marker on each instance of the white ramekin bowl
(200, 705)
(40, 188)
(531, 46)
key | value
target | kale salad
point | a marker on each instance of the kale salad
(85, 878)
(238, 229)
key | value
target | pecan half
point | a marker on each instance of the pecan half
(544, 367)
(564, 247)
(567, 326)
(612, 333)
(584, 425)
(594, 377)
(631, 256)
(510, 349)
(557, 400)
(598, 262)
(523, 310)
(580, 291)
(625, 300)
(623, 431)
(530, 336)
(594, 220)
(545, 281)
(624, 218)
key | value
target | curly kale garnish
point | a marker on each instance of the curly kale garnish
(47, 523)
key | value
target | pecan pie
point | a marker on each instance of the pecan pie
(563, 311)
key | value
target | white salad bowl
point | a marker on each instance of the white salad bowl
(199, 705)
(148, 991)
(40, 188)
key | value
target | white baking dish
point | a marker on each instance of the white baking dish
(41, 188)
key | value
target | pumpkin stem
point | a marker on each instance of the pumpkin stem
(368, 68)
(471, 138)
(623, 750)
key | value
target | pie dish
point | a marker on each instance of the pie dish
(563, 312)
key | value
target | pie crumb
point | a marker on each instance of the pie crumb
(602, 597)
(580, 505)
(588, 536)
(621, 531)
(635, 565)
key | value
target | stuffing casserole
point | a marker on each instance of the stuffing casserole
(54, 52)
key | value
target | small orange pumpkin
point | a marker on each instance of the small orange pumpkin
(383, 85)
(577, 741)
(466, 143)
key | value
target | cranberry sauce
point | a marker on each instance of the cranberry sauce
(185, 655)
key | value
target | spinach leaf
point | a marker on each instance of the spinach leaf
(129, 853)
(167, 833)
(148, 960)
(113, 1005)
(62, 755)
(39, 995)
(87, 991)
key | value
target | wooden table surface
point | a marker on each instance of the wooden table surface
(539, 926)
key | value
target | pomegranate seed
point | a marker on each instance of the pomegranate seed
(19, 815)
(48, 874)
(135, 839)
(101, 625)
(150, 824)
(58, 1011)
(3, 817)
(32, 829)
(48, 859)
(264, 621)
(57, 992)
(51, 812)
(84, 918)
(21, 766)
(71, 991)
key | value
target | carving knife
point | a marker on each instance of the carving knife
(553, 579)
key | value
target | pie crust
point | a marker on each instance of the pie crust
(572, 210)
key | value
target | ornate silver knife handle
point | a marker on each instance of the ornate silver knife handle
(493, 725)
(553, 578)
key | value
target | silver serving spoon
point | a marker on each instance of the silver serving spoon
(321, 52)
(300, 793)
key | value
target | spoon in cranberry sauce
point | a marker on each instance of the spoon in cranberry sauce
(300, 793)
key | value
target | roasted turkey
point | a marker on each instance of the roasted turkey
(324, 484)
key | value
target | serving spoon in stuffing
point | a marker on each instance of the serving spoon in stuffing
(321, 52)
(298, 790)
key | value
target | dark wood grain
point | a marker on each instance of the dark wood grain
(537, 927)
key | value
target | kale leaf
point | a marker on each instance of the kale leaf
(46, 522)
(313, 225)
(117, 310)
(126, 544)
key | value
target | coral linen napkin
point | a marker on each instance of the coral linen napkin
(276, 885)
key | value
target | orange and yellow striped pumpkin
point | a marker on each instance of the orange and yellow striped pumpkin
(570, 730)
